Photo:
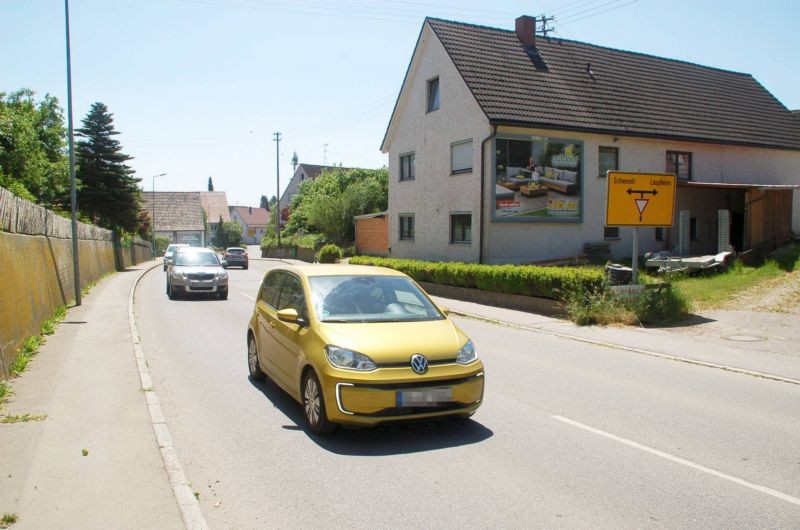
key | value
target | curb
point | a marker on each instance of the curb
(187, 503)
(640, 351)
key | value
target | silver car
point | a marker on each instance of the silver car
(171, 251)
(196, 270)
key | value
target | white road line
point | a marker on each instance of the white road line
(683, 461)
(247, 296)
(187, 502)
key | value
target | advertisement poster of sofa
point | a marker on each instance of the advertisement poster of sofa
(538, 179)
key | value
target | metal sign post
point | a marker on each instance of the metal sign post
(639, 199)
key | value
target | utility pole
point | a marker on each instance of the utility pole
(544, 20)
(277, 141)
(73, 193)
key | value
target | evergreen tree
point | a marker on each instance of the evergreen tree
(109, 195)
(264, 202)
(210, 184)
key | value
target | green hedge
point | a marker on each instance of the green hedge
(527, 280)
(311, 241)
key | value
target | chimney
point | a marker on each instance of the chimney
(250, 211)
(526, 30)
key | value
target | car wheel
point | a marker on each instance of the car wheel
(223, 294)
(256, 374)
(171, 292)
(245, 267)
(314, 406)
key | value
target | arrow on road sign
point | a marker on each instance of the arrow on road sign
(642, 193)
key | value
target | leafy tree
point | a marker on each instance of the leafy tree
(328, 204)
(210, 184)
(229, 234)
(295, 161)
(272, 202)
(33, 162)
(264, 202)
(109, 193)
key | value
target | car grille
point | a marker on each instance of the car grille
(201, 276)
(407, 411)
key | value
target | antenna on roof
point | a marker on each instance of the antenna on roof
(324, 154)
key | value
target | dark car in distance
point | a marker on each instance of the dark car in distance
(236, 257)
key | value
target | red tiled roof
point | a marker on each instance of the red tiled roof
(627, 93)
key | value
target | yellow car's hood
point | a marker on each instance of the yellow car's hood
(393, 342)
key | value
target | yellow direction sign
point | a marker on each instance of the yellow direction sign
(640, 199)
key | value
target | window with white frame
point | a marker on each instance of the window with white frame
(408, 163)
(680, 164)
(461, 157)
(406, 227)
(433, 95)
(461, 228)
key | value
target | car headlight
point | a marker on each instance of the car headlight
(179, 275)
(352, 360)
(467, 353)
(222, 275)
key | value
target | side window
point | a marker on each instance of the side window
(292, 296)
(270, 289)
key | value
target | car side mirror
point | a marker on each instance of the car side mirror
(224, 263)
(289, 315)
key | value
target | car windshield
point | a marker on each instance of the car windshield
(235, 251)
(196, 258)
(370, 299)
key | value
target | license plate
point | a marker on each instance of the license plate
(424, 398)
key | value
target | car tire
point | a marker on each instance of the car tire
(245, 267)
(171, 292)
(256, 374)
(314, 406)
(223, 294)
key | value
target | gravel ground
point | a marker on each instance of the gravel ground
(778, 295)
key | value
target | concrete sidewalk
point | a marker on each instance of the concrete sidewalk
(767, 343)
(85, 380)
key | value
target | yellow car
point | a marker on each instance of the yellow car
(360, 346)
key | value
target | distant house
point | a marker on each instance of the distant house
(253, 222)
(215, 205)
(479, 104)
(178, 216)
(302, 173)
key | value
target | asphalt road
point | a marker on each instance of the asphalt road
(570, 435)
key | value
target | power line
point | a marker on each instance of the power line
(570, 19)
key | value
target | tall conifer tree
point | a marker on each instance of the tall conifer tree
(109, 193)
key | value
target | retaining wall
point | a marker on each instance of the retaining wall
(36, 273)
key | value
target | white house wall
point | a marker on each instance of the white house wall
(527, 241)
(435, 193)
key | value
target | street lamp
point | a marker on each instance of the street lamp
(154, 211)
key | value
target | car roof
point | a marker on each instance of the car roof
(203, 250)
(310, 270)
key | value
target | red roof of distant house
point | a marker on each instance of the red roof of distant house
(252, 216)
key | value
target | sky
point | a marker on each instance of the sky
(198, 87)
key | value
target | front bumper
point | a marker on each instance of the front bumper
(454, 390)
(200, 286)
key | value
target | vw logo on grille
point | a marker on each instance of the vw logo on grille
(419, 363)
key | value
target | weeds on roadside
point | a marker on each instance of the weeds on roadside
(23, 418)
(29, 349)
(8, 519)
(601, 306)
(5, 391)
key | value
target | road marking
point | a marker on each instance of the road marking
(247, 296)
(678, 460)
(187, 502)
(613, 346)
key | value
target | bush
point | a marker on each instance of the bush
(330, 253)
(309, 241)
(527, 280)
(597, 306)
(661, 306)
